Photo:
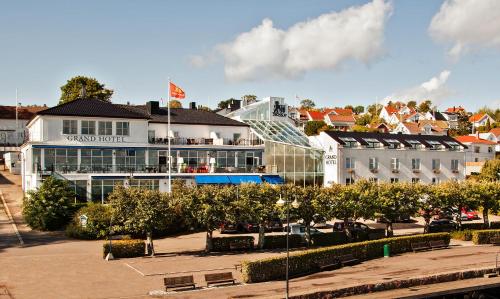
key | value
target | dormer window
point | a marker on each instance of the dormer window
(414, 144)
(435, 145)
(349, 142)
(454, 146)
(393, 143)
(371, 142)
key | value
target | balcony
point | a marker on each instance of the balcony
(206, 141)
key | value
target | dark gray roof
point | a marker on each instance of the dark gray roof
(439, 116)
(92, 108)
(383, 137)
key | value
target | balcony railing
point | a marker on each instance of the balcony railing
(133, 169)
(206, 141)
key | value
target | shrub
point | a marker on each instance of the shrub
(305, 261)
(125, 248)
(495, 225)
(279, 241)
(473, 226)
(483, 236)
(98, 221)
(222, 244)
(50, 206)
(464, 235)
(328, 239)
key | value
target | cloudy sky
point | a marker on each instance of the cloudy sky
(334, 52)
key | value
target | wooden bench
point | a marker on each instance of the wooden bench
(328, 264)
(495, 240)
(419, 246)
(179, 282)
(348, 259)
(438, 244)
(219, 278)
(239, 246)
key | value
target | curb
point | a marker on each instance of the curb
(11, 219)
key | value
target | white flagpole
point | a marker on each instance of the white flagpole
(17, 122)
(168, 136)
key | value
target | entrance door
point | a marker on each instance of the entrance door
(162, 161)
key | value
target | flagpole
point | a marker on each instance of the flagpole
(168, 136)
(17, 122)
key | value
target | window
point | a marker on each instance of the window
(434, 145)
(394, 180)
(436, 164)
(349, 181)
(88, 127)
(350, 163)
(414, 144)
(395, 164)
(476, 159)
(373, 163)
(373, 180)
(454, 165)
(236, 136)
(349, 141)
(435, 180)
(372, 142)
(151, 136)
(476, 149)
(415, 164)
(490, 149)
(105, 128)
(70, 126)
(122, 128)
(393, 143)
(415, 180)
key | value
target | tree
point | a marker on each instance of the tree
(307, 104)
(358, 109)
(313, 127)
(140, 210)
(429, 203)
(412, 104)
(49, 206)
(344, 204)
(374, 109)
(490, 170)
(224, 104)
(364, 119)
(175, 104)
(453, 194)
(486, 195)
(349, 107)
(425, 106)
(464, 127)
(93, 89)
(306, 196)
(250, 98)
(204, 108)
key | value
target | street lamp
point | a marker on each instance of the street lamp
(295, 204)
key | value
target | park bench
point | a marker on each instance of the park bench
(348, 259)
(219, 278)
(419, 246)
(495, 240)
(239, 246)
(179, 282)
(328, 264)
(438, 244)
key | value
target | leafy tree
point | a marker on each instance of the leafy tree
(98, 222)
(358, 128)
(344, 204)
(204, 108)
(364, 119)
(306, 196)
(412, 104)
(490, 170)
(93, 89)
(175, 104)
(250, 98)
(454, 194)
(140, 210)
(429, 203)
(358, 109)
(307, 104)
(313, 127)
(225, 103)
(486, 195)
(464, 127)
(349, 107)
(374, 109)
(49, 206)
(425, 106)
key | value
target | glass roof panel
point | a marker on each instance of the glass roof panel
(413, 141)
(391, 140)
(347, 139)
(370, 140)
(278, 131)
(432, 142)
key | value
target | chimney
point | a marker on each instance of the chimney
(235, 105)
(153, 107)
(192, 105)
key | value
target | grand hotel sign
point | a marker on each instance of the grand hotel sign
(91, 138)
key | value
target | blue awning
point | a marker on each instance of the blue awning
(273, 179)
(212, 179)
(241, 179)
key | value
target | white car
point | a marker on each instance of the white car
(299, 229)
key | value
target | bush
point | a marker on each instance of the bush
(50, 206)
(495, 225)
(222, 244)
(473, 226)
(305, 261)
(464, 235)
(328, 239)
(279, 241)
(483, 236)
(98, 221)
(125, 248)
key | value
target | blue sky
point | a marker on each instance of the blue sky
(134, 46)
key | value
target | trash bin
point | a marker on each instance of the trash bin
(387, 250)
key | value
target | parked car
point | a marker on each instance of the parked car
(452, 214)
(299, 229)
(274, 225)
(399, 218)
(240, 227)
(319, 221)
(228, 228)
(470, 214)
(353, 226)
(442, 225)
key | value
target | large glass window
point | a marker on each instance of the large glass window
(88, 127)
(65, 160)
(49, 159)
(101, 189)
(148, 184)
(37, 160)
(80, 189)
(70, 126)
(122, 128)
(105, 128)
(436, 164)
(454, 165)
(350, 163)
(373, 163)
(415, 164)
(395, 164)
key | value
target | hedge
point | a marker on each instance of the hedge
(464, 235)
(125, 248)
(279, 241)
(495, 225)
(483, 236)
(222, 244)
(473, 226)
(328, 239)
(304, 262)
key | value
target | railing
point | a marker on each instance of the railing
(206, 141)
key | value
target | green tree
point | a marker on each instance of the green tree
(93, 89)
(358, 109)
(344, 204)
(175, 104)
(486, 195)
(412, 104)
(429, 203)
(364, 119)
(306, 196)
(454, 195)
(307, 104)
(349, 107)
(140, 210)
(50, 206)
(425, 106)
(490, 170)
(225, 103)
(313, 127)
(374, 109)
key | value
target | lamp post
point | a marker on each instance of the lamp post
(295, 204)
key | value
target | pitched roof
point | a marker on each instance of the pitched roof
(439, 116)
(316, 115)
(477, 117)
(495, 131)
(23, 112)
(412, 127)
(434, 123)
(473, 139)
(391, 110)
(92, 108)
(341, 118)
(455, 109)
(339, 111)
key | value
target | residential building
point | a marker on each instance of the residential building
(352, 156)
(495, 137)
(481, 119)
(425, 127)
(478, 151)
(340, 122)
(12, 131)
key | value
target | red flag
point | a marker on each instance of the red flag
(176, 92)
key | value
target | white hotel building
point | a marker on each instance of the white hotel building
(96, 145)
(351, 156)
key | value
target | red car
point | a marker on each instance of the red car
(470, 214)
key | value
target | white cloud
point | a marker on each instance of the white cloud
(325, 42)
(434, 89)
(467, 24)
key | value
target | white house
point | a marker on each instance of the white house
(481, 119)
(479, 150)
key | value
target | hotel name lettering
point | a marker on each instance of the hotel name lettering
(91, 138)
(330, 159)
